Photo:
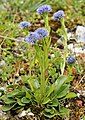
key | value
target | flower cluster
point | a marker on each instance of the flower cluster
(58, 15)
(38, 34)
(71, 59)
(32, 38)
(44, 9)
(42, 32)
(24, 24)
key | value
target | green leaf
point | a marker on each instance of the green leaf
(0, 93)
(59, 82)
(9, 100)
(69, 79)
(13, 93)
(28, 95)
(39, 54)
(37, 95)
(36, 84)
(54, 103)
(49, 112)
(25, 100)
(20, 103)
(70, 95)
(63, 112)
(24, 88)
(51, 89)
(19, 108)
(8, 107)
(46, 100)
(21, 93)
(62, 91)
(49, 115)
(9, 94)
(3, 97)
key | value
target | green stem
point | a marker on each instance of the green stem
(70, 69)
(44, 57)
(30, 66)
(29, 58)
(65, 45)
(45, 17)
(42, 83)
(44, 66)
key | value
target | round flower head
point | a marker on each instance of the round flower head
(24, 24)
(32, 38)
(43, 9)
(42, 32)
(71, 59)
(58, 15)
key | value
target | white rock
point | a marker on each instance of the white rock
(69, 35)
(2, 88)
(30, 114)
(60, 42)
(52, 55)
(80, 34)
(78, 50)
(78, 94)
(42, 21)
(70, 46)
(22, 114)
(2, 63)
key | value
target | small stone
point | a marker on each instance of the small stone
(52, 55)
(2, 63)
(83, 47)
(41, 21)
(2, 89)
(70, 46)
(30, 114)
(60, 42)
(80, 34)
(69, 35)
(22, 114)
(79, 50)
(67, 106)
(78, 94)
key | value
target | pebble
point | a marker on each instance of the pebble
(22, 114)
(80, 34)
(76, 49)
(2, 63)
(30, 114)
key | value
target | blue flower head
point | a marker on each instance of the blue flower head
(42, 32)
(45, 8)
(71, 59)
(32, 38)
(58, 15)
(24, 24)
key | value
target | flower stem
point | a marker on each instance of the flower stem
(30, 65)
(65, 45)
(45, 17)
(42, 83)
